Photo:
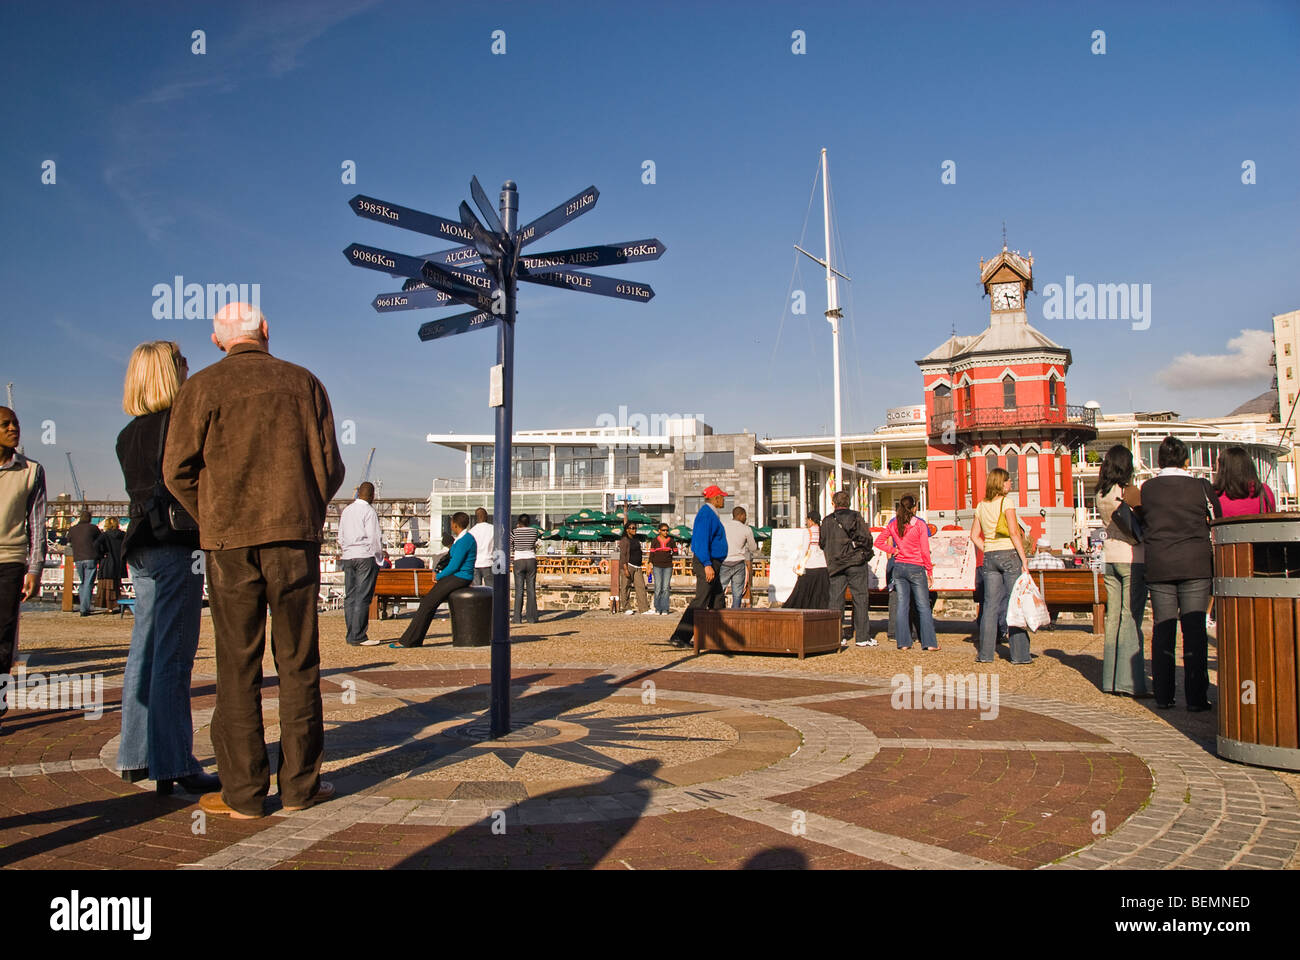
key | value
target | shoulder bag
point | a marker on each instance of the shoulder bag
(166, 515)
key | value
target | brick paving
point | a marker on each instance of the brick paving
(817, 772)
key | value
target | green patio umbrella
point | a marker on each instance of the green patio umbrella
(761, 533)
(680, 532)
(589, 533)
(632, 516)
(587, 516)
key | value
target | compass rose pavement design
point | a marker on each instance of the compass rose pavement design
(693, 765)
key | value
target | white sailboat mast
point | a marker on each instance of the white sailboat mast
(833, 315)
(833, 312)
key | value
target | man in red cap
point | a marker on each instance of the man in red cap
(708, 550)
(408, 560)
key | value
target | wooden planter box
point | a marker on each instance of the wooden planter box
(799, 632)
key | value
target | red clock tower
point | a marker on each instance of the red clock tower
(998, 399)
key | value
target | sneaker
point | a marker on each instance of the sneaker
(868, 643)
(629, 613)
(844, 643)
(649, 613)
(370, 642)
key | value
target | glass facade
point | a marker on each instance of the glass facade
(780, 502)
(711, 460)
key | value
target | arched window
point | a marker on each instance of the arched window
(1008, 392)
(1051, 393)
(942, 391)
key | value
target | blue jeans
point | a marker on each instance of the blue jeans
(157, 727)
(910, 583)
(1123, 661)
(663, 577)
(358, 587)
(733, 574)
(86, 571)
(1001, 570)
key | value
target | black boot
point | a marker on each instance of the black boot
(199, 783)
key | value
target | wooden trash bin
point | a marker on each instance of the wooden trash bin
(1257, 608)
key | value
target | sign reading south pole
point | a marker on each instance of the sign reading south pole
(481, 271)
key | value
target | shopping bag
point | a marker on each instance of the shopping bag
(1026, 607)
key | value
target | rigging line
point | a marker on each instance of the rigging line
(785, 309)
(797, 274)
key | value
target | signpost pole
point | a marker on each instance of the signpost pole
(500, 702)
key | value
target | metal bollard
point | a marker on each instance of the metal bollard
(471, 617)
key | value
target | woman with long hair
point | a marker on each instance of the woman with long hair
(1123, 662)
(996, 531)
(110, 569)
(1238, 488)
(812, 589)
(157, 726)
(630, 573)
(1176, 508)
(906, 539)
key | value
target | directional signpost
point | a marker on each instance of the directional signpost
(482, 274)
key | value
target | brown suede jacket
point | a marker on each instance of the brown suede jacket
(251, 451)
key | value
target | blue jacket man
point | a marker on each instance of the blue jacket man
(458, 573)
(708, 550)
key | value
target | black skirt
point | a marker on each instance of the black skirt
(812, 591)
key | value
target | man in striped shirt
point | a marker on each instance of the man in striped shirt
(523, 548)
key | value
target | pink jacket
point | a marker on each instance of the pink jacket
(913, 547)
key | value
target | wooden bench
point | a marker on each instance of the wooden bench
(1080, 590)
(394, 585)
(799, 632)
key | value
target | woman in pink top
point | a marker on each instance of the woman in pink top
(907, 540)
(1237, 484)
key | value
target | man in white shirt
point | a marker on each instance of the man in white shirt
(741, 548)
(362, 546)
(483, 536)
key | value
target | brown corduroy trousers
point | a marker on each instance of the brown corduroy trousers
(242, 584)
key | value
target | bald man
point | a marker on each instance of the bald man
(22, 539)
(251, 454)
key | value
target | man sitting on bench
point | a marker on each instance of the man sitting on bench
(458, 573)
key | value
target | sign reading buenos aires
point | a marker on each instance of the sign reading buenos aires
(604, 255)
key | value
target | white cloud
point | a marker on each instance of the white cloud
(1245, 363)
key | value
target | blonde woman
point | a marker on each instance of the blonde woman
(157, 728)
(996, 531)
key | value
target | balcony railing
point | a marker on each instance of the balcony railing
(993, 418)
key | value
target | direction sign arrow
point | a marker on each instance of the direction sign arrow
(594, 283)
(395, 264)
(582, 258)
(396, 215)
(485, 206)
(550, 222)
(461, 323)
(455, 257)
(416, 299)
(488, 245)
(474, 289)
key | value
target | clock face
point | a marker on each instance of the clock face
(1006, 296)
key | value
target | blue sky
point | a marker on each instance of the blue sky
(225, 168)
